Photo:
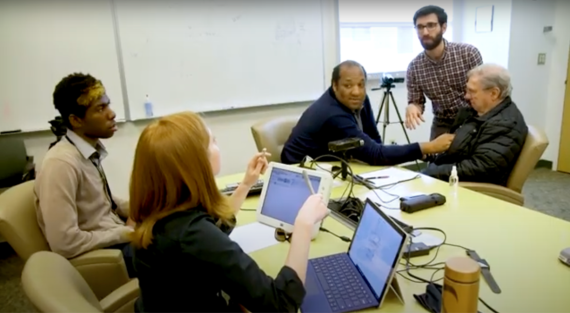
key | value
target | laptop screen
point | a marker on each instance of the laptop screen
(375, 248)
(285, 194)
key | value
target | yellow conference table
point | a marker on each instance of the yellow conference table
(521, 245)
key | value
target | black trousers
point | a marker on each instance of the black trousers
(127, 250)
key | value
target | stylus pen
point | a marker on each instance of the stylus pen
(308, 182)
(377, 177)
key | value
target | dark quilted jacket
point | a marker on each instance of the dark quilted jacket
(485, 148)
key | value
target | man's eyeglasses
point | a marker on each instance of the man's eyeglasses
(429, 26)
(281, 235)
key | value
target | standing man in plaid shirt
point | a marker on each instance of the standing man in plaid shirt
(439, 73)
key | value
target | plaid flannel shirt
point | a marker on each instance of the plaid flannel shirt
(442, 81)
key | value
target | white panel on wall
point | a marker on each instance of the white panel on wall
(44, 41)
(220, 54)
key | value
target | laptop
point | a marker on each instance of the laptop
(360, 278)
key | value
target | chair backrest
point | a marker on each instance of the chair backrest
(18, 221)
(53, 285)
(272, 135)
(13, 160)
(533, 148)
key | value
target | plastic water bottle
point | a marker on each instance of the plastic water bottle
(454, 180)
(148, 107)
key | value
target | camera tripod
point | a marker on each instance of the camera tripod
(385, 108)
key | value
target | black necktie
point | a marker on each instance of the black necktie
(95, 159)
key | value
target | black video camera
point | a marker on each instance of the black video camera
(388, 80)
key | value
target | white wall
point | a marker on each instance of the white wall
(558, 61)
(530, 80)
(386, 11)
(494, 46)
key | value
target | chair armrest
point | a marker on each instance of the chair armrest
(122, 299)
(495, 191)
(104, 270)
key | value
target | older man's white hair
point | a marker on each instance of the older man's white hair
(493, 75)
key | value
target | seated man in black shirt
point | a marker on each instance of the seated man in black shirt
(344, 111)
(489, 136)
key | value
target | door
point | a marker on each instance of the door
(564, 150)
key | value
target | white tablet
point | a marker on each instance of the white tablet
(284, 192)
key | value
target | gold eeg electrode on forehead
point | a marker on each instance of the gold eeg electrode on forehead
(91, 94)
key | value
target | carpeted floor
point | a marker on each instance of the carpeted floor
(545, 191)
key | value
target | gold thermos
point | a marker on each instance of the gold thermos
(461, 286)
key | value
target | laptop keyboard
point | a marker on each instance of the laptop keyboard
(341, 283)
(253, 191)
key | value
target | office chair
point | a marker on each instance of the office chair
(53, 285)
(104, 269)
(272, 135)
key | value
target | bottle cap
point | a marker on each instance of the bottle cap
(454, 171)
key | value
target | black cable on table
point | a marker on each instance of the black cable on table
(432, 266)
(343, 238)
(351, 182)
(349, 210)
(357, 180)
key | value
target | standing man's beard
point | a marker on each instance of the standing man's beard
(432, 44)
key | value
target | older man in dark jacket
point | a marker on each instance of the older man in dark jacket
(489, 136)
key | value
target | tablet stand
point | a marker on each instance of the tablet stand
(395, 290)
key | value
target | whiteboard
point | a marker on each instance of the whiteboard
(44, 41)
(210, 55)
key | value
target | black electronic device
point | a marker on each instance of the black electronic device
(351, 209)
(421, 202)
(345, 144)
(416, 249)
(253, 191)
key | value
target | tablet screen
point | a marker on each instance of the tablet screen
(285, 194)
(375, 248)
